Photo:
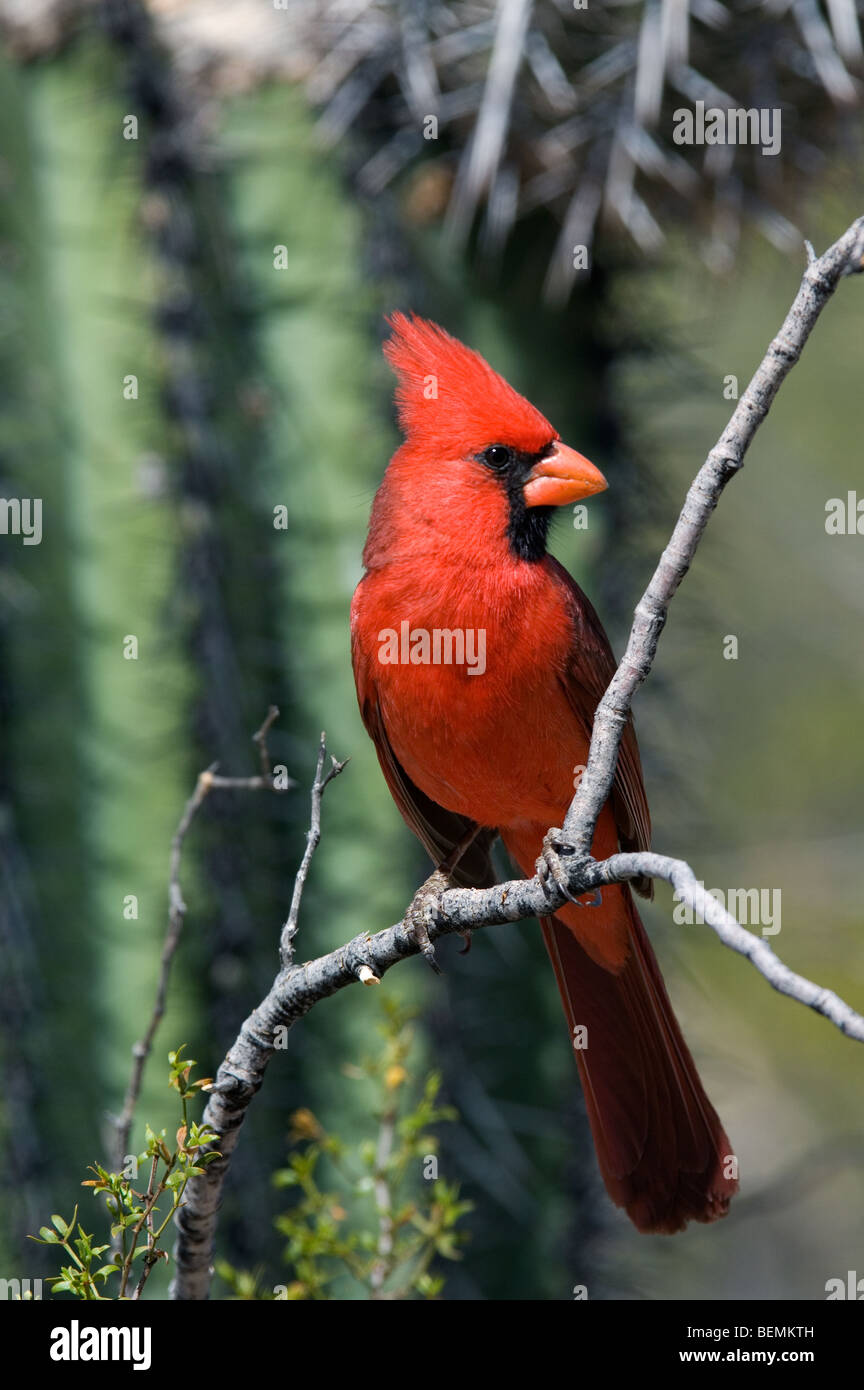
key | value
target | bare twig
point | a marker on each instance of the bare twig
(298, 988)
(259, 738)
(726, 458)
(244, 1068)
(736, 937)
(176, 914)
(313, 836)
(207, 781)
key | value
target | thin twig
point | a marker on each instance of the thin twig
(313, 836)
(259, 738)
(725, 460)
(207, 781)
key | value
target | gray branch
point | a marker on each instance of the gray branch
(725, 460)
(313, 837)
(297, 988)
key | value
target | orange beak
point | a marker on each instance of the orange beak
(563, 476)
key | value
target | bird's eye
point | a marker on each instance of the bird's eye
(497, 456)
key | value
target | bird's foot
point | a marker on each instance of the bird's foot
(550, 866)
(421, 915)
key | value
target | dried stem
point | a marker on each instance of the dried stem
(207, 781)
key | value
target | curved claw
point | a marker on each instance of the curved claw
(419, 916)
(549, 866)
(428, 954)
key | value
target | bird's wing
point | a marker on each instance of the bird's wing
(589, 673)
(439, 830)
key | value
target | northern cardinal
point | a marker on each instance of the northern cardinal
(472, 748)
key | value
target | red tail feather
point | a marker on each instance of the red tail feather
(662, 1150)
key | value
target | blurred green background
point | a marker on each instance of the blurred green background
(260, 388)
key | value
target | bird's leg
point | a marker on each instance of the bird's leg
(449, 864)
(421, 914)
(549, 865)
